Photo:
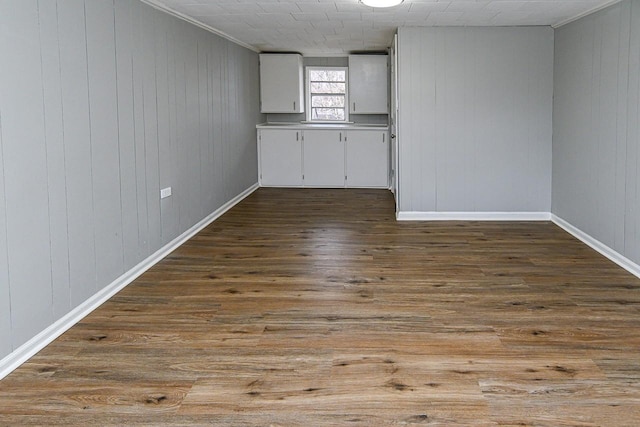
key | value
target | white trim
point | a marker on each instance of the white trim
(583, 14)
(37, 343)
(473, 216)
(593, 243)
(598, 246)
(156, 4)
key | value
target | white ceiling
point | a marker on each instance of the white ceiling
(337, 27)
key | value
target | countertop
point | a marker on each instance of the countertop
(302, 126)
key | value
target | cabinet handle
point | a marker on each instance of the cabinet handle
(297, 136)
(340, 136)
(383, 137)
(354, 106)
(294, 105)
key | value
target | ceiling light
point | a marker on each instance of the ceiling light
(381, 3)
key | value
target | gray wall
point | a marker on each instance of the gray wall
(596, 163)
(475, 110)
(102, 104)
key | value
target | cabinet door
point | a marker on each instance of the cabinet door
(281, 83)
(324, 158)
(367, 159)
(280, 158)
(368, 84)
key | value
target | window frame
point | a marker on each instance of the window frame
(309, 113)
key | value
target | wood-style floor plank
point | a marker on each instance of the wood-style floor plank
(316, 308)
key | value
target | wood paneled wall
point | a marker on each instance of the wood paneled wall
(596, 146)
(474, 126)
(102, 104)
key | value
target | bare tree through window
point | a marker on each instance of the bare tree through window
(327, 92)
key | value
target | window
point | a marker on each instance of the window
(327, 94)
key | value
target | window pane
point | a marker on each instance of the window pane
(336, 76)
(328, 87)
(327, 93)
(315, 75)
(328, 114)
(327, 75)
(327, 101)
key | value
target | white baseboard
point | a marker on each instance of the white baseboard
(473, 216)
(595, 244)
(20, 355)
(598, 246)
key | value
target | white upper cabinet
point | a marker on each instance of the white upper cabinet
(368, 84)
(281, 83)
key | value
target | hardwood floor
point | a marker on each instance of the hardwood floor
(315, 307)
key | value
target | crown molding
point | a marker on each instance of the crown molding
(588, 12)
(156, 4)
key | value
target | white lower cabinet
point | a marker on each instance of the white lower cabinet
(367, 156)
(323, 157)
(280, 163)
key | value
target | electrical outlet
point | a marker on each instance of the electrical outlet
(165, 192)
